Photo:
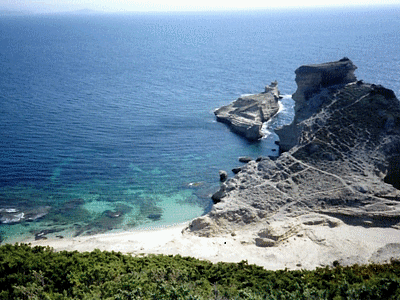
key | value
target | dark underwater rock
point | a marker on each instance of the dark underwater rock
(18, 215)
(41, 235)
(11, 215)
(71, 205)
(154, 217)
(37, 213)
(113, 213)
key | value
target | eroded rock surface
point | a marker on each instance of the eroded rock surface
(313, 85)
(386, 254)
(246, 115)
(342, 168)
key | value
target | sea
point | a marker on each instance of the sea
(106, 120)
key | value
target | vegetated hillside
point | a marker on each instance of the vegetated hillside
(41, 273)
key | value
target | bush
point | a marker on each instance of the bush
(41, 273)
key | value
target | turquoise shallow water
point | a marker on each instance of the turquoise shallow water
(107, 123)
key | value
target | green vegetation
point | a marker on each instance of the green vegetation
(41, 273)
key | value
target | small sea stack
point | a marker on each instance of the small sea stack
(246, 115)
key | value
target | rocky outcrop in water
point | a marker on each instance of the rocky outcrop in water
(246, 115)
(342, 163)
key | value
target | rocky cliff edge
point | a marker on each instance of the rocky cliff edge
(342, 166)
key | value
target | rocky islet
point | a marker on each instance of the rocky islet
(246, 115)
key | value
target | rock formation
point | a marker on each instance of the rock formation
(246, 115)
(341, 165)
(312, 87)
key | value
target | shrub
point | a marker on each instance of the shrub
(41, 273)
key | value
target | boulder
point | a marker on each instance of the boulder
(223, 175)
(246, 115)
(264, 242)
(236, 170)
(218, 195)
(202, 226)
(245, 159)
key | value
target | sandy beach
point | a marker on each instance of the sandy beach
(310, 247)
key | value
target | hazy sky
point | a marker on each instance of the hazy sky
(173, 5)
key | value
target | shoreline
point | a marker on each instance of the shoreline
(319, 245)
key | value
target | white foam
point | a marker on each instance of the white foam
(266, 127)
(8, 210)
(12, 219)
(281, 108)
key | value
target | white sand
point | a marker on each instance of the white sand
(311, 247)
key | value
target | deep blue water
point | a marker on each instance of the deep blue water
(114, 112)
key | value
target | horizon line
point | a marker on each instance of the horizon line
(88, 11)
